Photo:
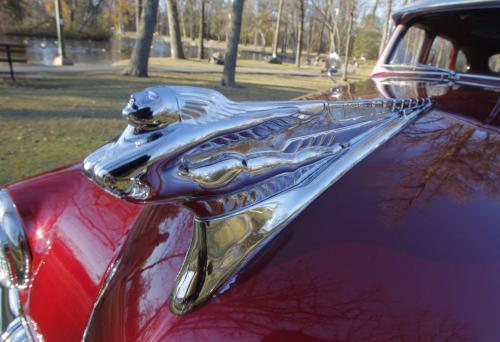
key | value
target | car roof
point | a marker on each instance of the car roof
(406, 13)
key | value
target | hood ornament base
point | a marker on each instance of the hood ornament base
(247, 169)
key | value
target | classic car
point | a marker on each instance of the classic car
(365, 212)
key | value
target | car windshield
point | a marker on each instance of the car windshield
(466, 42)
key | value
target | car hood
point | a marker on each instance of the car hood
(403, 245)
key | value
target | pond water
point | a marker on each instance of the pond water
(44, 50)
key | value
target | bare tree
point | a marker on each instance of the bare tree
(256, 25)
(117, 6)
(202, 29)
(138, 64)
(335, 33)
(277, 30)
(190, 7)
(182, 17)
(284, 41)
(320, 41)
(374, 8)
(300, 29)
(328, 13)
(385, 32)
(310, 36)
(236, 14)
(176, 51)
(138, 10)
(91, 14)
(350, 11)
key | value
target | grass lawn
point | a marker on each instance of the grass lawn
(56, 119)
(245, 63)
(362, 72)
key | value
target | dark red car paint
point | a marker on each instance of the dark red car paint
(404, 246)
(75, 230)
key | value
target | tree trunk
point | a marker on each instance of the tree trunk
(277, 30)
(190, 5)
(300, 29)
(138, 13)
(183, 22)
(257, 26)
(333, 17)
(228, 79)
(332, 42)
(158, 22)
(138, 64)
(385, 32)
(262, 40)
(310, 36)
(320, 44)
(350, 6)
(176, 51)
(72, 12)
(202, 29)
(228, 27)
(336, 37)
(119, 24)
(374, 8)
(284, 42)
(167, 28)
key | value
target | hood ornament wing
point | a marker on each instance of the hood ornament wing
(246, 168)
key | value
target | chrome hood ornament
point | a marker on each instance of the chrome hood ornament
(246, 168)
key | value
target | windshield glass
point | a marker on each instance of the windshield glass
(440, 53)
(409, 48)
(466, 42)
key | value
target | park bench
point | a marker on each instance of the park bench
(11, 52)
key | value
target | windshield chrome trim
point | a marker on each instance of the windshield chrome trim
(429, 69)
(418, 9)
(444, 75)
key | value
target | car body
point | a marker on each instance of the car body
(401, 244)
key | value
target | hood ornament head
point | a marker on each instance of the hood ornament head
(151, 109)
(250, 165)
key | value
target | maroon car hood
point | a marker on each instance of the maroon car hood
(404, 246)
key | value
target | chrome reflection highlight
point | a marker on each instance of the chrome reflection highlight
(246, 169)
(16, 327)
(14, 252)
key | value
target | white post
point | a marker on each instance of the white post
(61, 59)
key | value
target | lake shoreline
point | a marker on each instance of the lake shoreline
(53, 35)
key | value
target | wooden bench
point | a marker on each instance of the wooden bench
(12, 53)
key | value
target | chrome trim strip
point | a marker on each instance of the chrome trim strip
(15, 255)
(15, 325)
(109, 276)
